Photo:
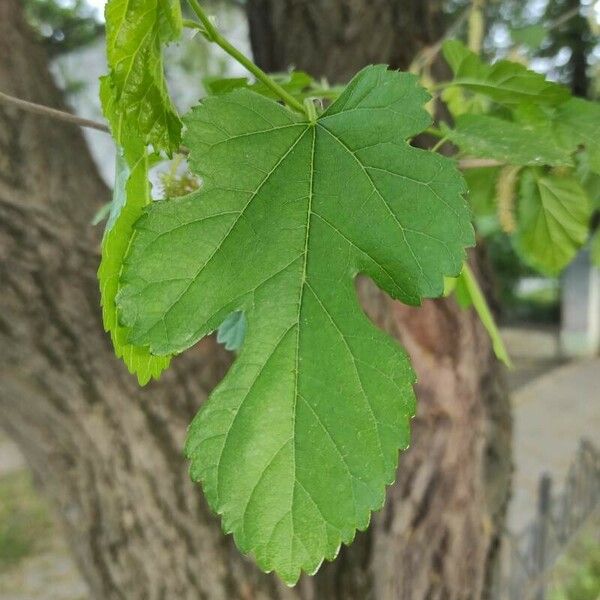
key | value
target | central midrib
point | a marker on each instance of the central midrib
(300, 302)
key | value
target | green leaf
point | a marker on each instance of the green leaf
(553, 220)
(296, 445)
(134, 94)
(579, 120)
(513, 143)
(531, 36)
(131, 194)
(482, 198)
(504, 81)
(588, 179)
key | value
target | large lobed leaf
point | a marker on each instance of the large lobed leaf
(554, 213)
(296, 445)
(505, 82)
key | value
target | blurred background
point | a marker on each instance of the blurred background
(551, 326)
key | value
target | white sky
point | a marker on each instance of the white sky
(99, 6)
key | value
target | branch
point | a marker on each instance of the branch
(478, 163)
(53, 113)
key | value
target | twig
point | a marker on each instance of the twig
(427, 55)
(478, 163)
(53, 113)
(564, 18)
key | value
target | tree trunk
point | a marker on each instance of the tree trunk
(109, 454)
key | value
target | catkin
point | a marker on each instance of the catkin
(506, 194)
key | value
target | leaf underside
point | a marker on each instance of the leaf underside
(554, 213)
(295, 447)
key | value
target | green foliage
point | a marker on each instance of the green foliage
(513, 143)
(136, 104)
(296, 445)
(505, 82)
(578, 121)
(531, 36)
(135, 98)
(290, 211)
(62, 27)
(24, 520)
(554, 215)
(131, 195)
(582, 581)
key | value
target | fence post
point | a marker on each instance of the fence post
(544, 503)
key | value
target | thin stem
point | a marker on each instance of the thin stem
(434, 131)
(439, 144)
(53, 113)
(212, 34)
(191, 24)
(426, 56)
(485, 314)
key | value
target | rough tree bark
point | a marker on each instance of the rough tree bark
(109, 454)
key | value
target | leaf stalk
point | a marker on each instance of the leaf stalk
(212, 34)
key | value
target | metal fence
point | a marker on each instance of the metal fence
(528, 558)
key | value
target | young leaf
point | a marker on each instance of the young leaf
(296, 445)
(513, 143)
(131, 194)
(531, 36)
(135, 98)
(504, 82)
(232, 331)
(553, 220)
(579, 120)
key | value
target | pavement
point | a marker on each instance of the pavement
(551, 415)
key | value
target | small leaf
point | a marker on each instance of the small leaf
(531, 36)
(131, 194)
(296, 445)
(553, 220)
(504, 81)
(513, 143)
(232, 331)
(134, 94)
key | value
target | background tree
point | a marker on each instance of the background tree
(109, 454)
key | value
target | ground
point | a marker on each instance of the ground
(555, 405)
